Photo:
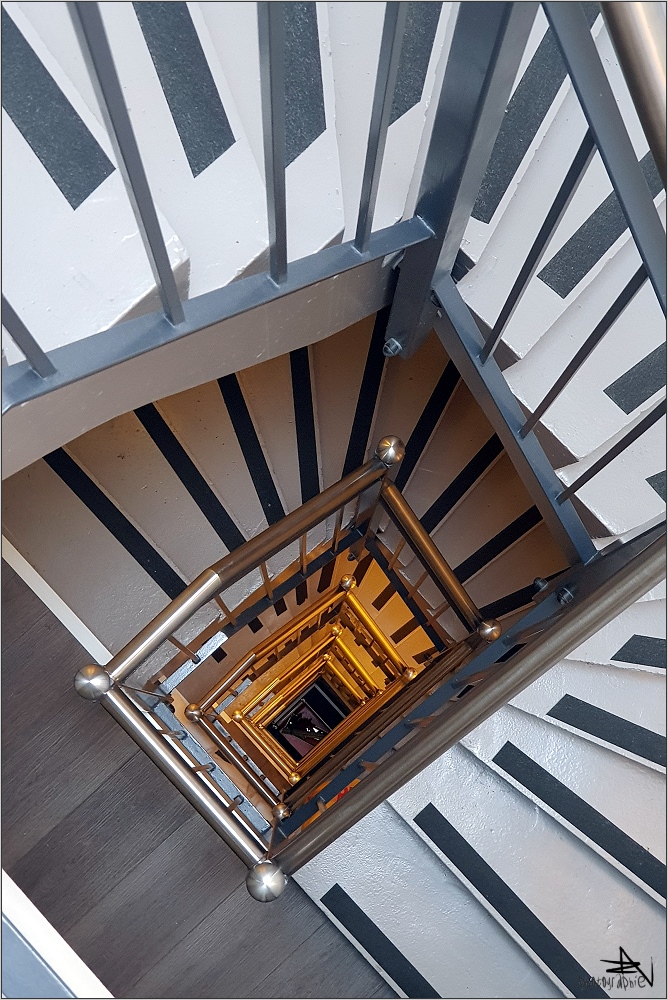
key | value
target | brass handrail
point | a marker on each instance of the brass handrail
(102, 684)
(236, 565)
(267, 647)
(424, 548)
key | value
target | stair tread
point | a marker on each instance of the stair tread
(628, 795)
(529, 850)
(430, 917)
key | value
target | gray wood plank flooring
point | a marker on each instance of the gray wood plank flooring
(122, 866)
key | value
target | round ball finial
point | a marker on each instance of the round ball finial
(409, 674)
(193, 712)
(336, 630)
(281, 811)
(294, 777)
(489, 630)
(92, 682)
(390, 450)
(265, 881)
(238, 716)
(348, 582)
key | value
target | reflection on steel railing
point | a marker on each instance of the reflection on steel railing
(351, 655)
(487, 681)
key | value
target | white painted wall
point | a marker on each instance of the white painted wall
(47, 942)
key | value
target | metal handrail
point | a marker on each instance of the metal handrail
(638, 33)
(432, 559)
(106, 685)
(236, 565)
(612, 595)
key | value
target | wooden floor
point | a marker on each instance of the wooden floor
(122, 866)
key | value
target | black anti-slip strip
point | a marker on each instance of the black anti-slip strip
(117, 523)
(219, 655)
(73, 158)
(460, 485)
(251, 448)
(507, 904)
(325, 581)
(301, 592)
(304, 100)
(362, 568)
(426, 425)
(639, 383)
(498, 544)
(462, 265)
(384, 597)
(610, 728)
(376, 944)
(255, 625)
(526, 110)
(405, 630)
(658, 483)
(302, 396)
(186, 80)
(416, 46)
(512, 602)
(645, 650)
(594, 237)
(190, 476)
(368, 394)
(280, 607)
(582, 816)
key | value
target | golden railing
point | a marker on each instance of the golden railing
(371, 678)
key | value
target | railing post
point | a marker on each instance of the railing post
(617, 589)
(487, 46)
(95, 684)
(431, 558)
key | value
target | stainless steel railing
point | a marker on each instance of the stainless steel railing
(109, 685)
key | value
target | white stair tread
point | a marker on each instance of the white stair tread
(620, 494)
(428, 915)
(78, 557)
(628, 795)
(582, 900)
(121, 457)
(583, 417)
(486, 286)
(632, 696)
(645, 618)
(313, 182)
(92, 267)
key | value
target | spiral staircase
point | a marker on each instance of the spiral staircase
(526, 858)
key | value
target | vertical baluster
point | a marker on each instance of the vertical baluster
(88, 25)
(395, 555)
(303, 559)
(271, 36)
(267, 581)
(386, 77)
(226, 611)
(24, 340)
